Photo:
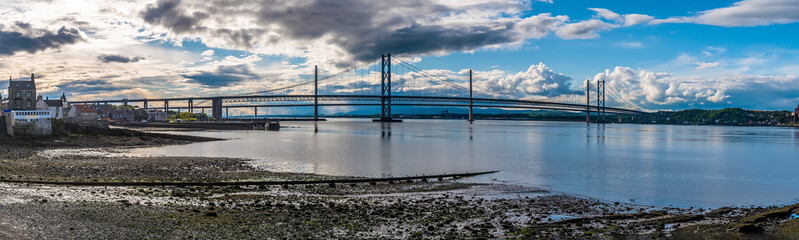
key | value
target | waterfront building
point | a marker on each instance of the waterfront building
(156, 116)
(22, 94)
(28, 122)
(796, 112)
(57, 107)
(129, 115)
(83, 113)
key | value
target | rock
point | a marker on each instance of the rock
(750, 229)
(211, 214)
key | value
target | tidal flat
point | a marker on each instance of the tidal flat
(429, 208)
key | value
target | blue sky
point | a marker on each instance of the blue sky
(658, 54)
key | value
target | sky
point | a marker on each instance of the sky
(659, 55)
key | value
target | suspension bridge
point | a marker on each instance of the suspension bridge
(388, 82)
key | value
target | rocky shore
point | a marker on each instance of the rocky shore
(430, 208)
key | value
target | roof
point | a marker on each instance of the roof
(54, 103)
(85, 108)
(22, 85)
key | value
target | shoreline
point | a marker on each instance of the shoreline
(439, 208)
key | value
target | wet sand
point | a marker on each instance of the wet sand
(443, 208)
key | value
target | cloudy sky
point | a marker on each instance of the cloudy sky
(657, 54)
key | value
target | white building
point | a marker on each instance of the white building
(57, 107)
(28, 122)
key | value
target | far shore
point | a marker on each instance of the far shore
(400, 208)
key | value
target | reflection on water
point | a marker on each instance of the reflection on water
(702, 166)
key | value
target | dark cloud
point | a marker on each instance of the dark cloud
(224, 76)
(108, 58)
(426, 39)
(12, 42)
(363, 28)
(89, 87)
(166, 13)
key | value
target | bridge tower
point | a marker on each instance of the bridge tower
(587, 100)
(471, 101)
(600, 101)
(316, 93)
(385, 94)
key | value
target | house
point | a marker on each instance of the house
(22, 94)
(156, 116)
(57, 107)
(129, 115)
(82, 113)
(796, 111)
(104, 110)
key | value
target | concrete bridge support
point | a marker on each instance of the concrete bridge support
(216, 108)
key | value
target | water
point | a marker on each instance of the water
(662, 165)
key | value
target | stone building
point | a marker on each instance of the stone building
(82, 113)
(796, 111)
(22, 94)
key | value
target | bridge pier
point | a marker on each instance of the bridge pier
(145, 104)
(256, 112)
(166, 105)
(216, 108)
(191, 106)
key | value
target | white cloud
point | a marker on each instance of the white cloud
(635, 19)
(667, 91)
(633, 44)
(607, 14)
(703, 65)
(537, 80)
(744, 13)
(583, 30)
(208, 53)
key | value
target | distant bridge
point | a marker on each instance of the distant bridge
(358, 86)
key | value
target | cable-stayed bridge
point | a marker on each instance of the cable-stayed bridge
(388, 82)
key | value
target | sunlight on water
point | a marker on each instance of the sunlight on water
(702, 166)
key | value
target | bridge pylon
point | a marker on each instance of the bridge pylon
(587, 100)
(471, 100)
(600, 101)
(385, 94)
(315, 93)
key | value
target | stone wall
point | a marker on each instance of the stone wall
(3, 131)
(37, 128)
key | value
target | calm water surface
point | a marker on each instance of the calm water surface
(702, 166)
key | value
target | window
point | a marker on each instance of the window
(28, 103)
(16, 94)
(17, 103)
(28, 94)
